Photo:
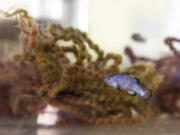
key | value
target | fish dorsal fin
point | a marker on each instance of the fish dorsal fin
(132, 93)
(137, 80)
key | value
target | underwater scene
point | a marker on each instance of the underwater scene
(56, 79)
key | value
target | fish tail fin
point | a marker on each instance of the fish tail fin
(148, 94)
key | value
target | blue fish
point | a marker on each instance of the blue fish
(127, 83)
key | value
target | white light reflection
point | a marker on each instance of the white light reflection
(49, 117)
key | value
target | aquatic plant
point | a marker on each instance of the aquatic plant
(49, 77)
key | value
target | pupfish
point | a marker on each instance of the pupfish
(127, 83)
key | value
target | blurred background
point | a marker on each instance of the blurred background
(110, 23)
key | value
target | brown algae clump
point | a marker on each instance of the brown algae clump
(48, 77)
(168, 93)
